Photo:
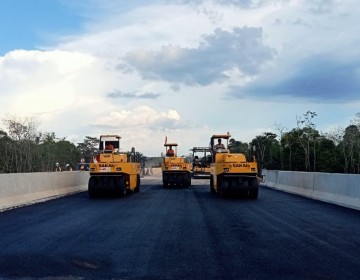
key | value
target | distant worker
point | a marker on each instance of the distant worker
(82, 166)
(170, 152)
(68, 167)
(57, 168)
(219, 145)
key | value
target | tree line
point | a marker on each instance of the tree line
(24, 149)
(303, 148)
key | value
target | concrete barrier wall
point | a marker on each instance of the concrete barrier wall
(302, 183)
(270, 178)
(156, 170)
(25, 188)
(340, 189)
(19, 189)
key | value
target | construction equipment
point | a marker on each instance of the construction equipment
(231, 173)
(176, 172)
(201, 159)
(112, 172)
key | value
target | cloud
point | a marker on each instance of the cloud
(219, 52)
(146, 70)
(317, 78)
(20, 65)
(44, 80)
(142, 95)
(138, 125)
(244, 4)
(124, 27)
(321, 6)
(140, 116)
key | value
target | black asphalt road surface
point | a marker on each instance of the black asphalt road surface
(180, 234)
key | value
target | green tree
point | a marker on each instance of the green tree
(5, 143)
(266, 150)
(53, 150)
(350, 146)
(307, 135)
(328, 159)
(88, 148)
(238, 147)
(293, 151)
(22, 149)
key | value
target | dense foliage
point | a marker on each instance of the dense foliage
(24, 149)
(302, 148)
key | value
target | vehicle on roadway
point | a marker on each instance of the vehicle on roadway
(176, 171)
(232, 173)
(113, 172)
(201, 159)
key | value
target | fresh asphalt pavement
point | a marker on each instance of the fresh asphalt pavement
(180, 234)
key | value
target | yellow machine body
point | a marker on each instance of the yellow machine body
(176, 171)
(232, 173)
(111, 171)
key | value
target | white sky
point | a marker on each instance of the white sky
(181, 69)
